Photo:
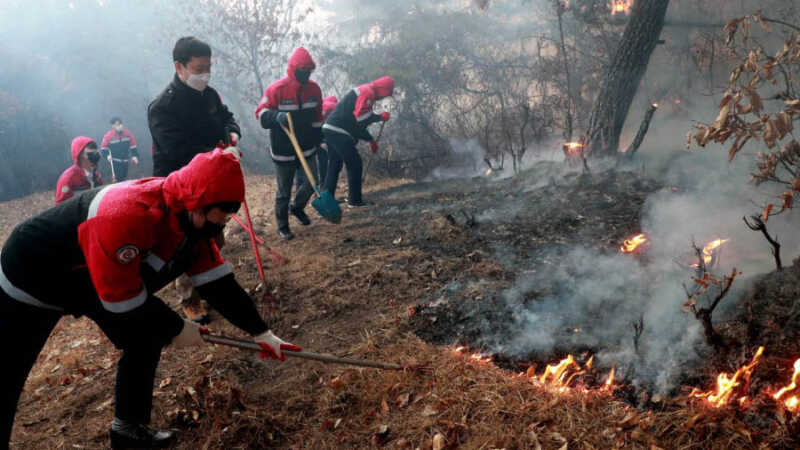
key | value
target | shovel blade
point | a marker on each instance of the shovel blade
(327, 207)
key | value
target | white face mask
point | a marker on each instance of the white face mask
(118, 127)
(198, 82)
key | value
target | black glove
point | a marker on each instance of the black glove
(282, 119)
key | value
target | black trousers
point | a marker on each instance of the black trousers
(121, 170)
(342, 151)
(285, 174)
(322, 169)
(24, 329)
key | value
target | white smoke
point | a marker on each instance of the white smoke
(601, 293)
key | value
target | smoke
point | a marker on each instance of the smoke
(466, 160)
(583, 298)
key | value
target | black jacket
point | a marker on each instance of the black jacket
(185, 122)
(343, 120)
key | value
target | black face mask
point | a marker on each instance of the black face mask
(302, 75)
(208, 231)
(93, 157)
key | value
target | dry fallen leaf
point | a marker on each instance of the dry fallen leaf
(165, 382)
(429, 411)
(336, 384)
(439, 441)
(403, 400)
(384, 406)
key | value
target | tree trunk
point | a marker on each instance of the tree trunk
(623, 76)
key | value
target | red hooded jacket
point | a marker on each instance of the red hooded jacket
(302, 100)
(136, 220)
(353, 113)
(328, 105)
(74, 178)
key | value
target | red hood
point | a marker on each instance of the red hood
(300, 58)
(328, 104)
(78, 144)
(383, 87)
(209, 178)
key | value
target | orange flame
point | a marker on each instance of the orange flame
(630, 245)
(621, 7)
(726, 385)
(573, 148)
(708, 250)
(793, 401)
(610, 380)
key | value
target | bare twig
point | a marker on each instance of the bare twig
(759, 225)
(704, 314)
(637, 141)
(638, 328)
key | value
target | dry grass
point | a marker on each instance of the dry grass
(347, 290)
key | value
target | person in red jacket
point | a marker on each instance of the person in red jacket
(106, 253)
(83, 174)
(347, 125)
(119, 147)
(298, 95)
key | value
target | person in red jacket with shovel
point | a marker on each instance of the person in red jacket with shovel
(83, 174)
(119, 147)
(347, 125)
(298, 95)
(107, 252)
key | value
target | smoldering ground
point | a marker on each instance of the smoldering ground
(572, 295)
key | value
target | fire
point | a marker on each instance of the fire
(478, 357)
(610, 380)
(630, 245)
(792, 402)
(621, 7)
(573, 148)
(726, 386)
(710, 248)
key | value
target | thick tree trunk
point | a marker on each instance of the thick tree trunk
(623, 76)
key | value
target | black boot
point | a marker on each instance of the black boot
(285, 234)
(125, 435)
(300, 214)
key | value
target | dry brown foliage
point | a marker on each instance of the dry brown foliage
(745, 114)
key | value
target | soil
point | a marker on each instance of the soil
(404, 280)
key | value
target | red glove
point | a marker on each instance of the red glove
(373, 146)
(272, 346)
(385, 116)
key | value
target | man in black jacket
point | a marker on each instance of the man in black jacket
(188, 116)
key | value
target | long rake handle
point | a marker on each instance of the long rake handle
(247, 345)
(300, 155)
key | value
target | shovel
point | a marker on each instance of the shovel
(111, 163)
(325, 204)
(249, 345)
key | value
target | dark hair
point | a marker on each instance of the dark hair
(228, 207)
(188, 47)
(115, 119)
(91, 146)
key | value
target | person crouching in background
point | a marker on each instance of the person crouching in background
(83, 174)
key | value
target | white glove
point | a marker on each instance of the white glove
(272, 346)
(109, 157)
(189, 335)
(135, 160)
